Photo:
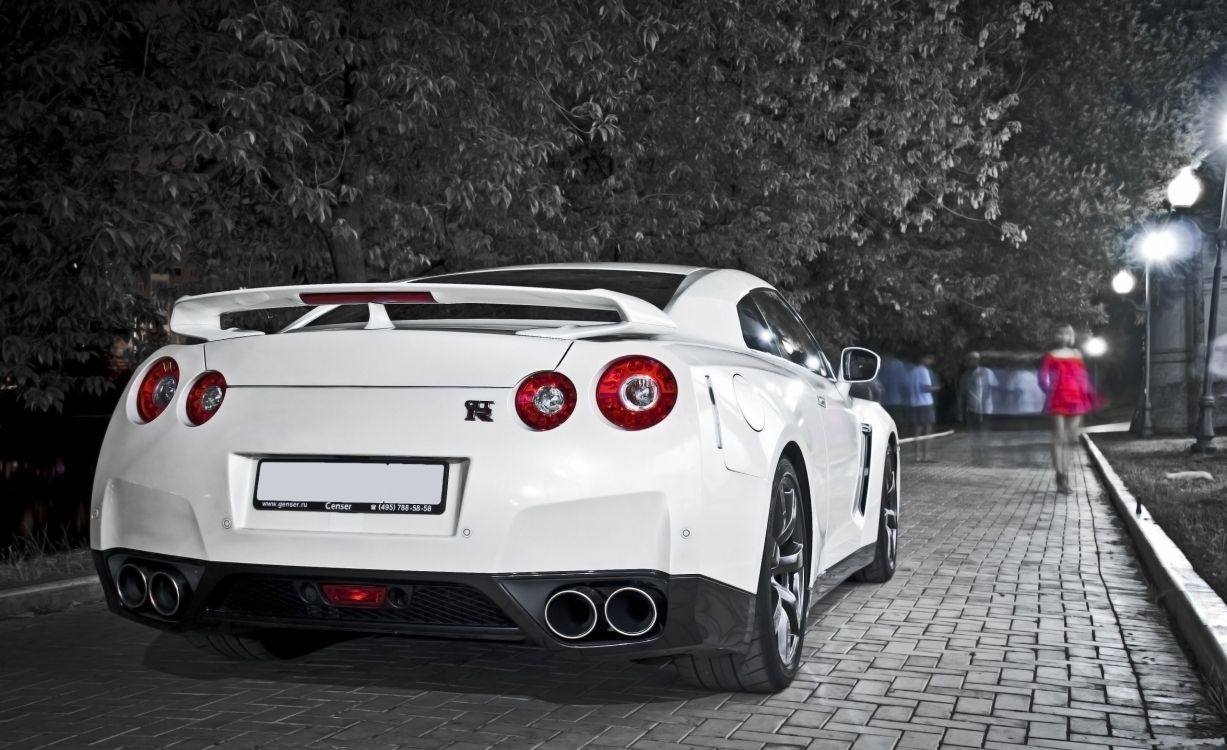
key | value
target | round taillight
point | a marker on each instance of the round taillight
(205, 397)
(157, 389)
(636, 392)
(545, 400)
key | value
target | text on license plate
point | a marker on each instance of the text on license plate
(351, 487)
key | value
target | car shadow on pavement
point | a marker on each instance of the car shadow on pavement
(391, 664)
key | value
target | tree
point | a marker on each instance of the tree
(389, 133)
(905, 171)
(79, 212)
(303, 141)
(822, 146)
(1111, 98)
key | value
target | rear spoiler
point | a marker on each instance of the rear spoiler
(200, 316)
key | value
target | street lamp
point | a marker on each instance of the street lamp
(1157, 246)
(1184, 190)
(1184, 197)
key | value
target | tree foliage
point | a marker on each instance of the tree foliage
(78, 218)
(1111, 100)
(905, 171)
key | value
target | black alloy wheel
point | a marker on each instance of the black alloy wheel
(788, 574)
(886, 551)
(778, 628)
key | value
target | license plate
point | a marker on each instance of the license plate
(396, 487)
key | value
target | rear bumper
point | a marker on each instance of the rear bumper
(585, 496)
(699, 615)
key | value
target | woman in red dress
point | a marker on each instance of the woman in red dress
(1064, 379)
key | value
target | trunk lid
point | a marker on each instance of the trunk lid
(383, 358)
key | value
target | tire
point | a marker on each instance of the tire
(886, 551)
(267, 645)
(778, 631)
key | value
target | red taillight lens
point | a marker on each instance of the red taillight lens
(636, 392)
(354, 595)
(545, 400)
(205, 397)
(157, 389)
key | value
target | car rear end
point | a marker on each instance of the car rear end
(435, 480)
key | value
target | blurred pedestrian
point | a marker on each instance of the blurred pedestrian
(1064, 380)
(922, 384)
(975, 402)
(894, 391)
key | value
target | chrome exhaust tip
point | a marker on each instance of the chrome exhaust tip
(572, 613)
(167, 592)
(132, 586)
(631, 611)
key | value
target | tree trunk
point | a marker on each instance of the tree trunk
(345, 245)
(345, 241)
(348, 255)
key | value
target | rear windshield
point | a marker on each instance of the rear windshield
(655, 287)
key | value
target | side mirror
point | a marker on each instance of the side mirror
(857, 365)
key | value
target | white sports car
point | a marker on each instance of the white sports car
(642, 460)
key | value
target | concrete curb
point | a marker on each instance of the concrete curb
(1200, 615)
(49, 597)
(918, 438)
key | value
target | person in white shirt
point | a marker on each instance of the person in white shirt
(922, 383)
(893, 377)
(975, 402)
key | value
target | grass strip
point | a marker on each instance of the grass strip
(1192, 512)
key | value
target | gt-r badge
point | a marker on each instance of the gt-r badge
(479, 411)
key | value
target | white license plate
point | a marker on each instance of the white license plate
(351, 487)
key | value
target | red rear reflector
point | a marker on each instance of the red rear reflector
(358, 298)
(354, 595)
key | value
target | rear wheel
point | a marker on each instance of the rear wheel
(886, 550)
(264, 645)
(779, 612)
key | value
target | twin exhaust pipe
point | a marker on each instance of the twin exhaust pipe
(570, 614)
(574, 613)
(165, 591)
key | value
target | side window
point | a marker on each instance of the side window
(796, 343)
(758, 336)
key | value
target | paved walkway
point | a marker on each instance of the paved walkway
(1017, 619)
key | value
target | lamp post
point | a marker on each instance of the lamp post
(1182, 193)
(1123, 283)
(1157, 246)
(1094, 348)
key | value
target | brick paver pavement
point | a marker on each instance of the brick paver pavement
(1017, 619)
